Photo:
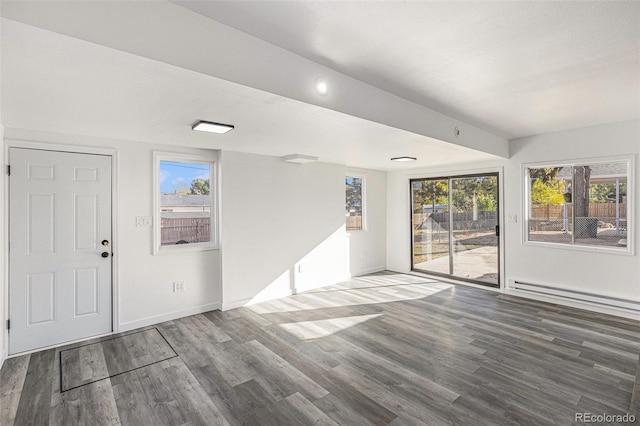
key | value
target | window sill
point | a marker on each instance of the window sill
(622, 251)
(185, 248)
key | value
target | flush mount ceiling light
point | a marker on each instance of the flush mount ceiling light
(405, 158)
(299, 158)
(321, 86)
(208, 126)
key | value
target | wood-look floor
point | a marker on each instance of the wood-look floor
(381, 349)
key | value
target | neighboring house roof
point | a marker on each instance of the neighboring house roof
(184, 215)
(599, 171)
(184, 200)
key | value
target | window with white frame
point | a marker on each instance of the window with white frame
(185, 203)
(583, 203)
(355, 203)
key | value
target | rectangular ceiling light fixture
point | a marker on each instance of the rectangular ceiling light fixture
(405, 158)
(299, 158)
(208, 126)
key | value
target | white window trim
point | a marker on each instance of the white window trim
(629, 250)
(212, 160)
(364, 200)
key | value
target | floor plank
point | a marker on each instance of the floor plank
(383, 349)
(12, 376)
(35, 400)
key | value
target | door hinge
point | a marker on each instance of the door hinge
(497, 230)
(9, 170)
(8, 324)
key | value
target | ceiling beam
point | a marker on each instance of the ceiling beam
(172, 34)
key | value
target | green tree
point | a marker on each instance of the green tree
(199, 187)
(353, 191)
(546, 193)
(606, 192)
(429, 192)
(486, 202)
(465, 189)
(545, 174)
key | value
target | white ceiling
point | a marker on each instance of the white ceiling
(511, 68)
(60, 84)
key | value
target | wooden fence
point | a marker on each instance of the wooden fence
(485, 220)
(354, 223)
(197, 230)
(191, 230)
(599, 210)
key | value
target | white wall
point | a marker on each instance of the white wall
(605, 274)
(283, 227)
(611, 275)
(146, 293)
(367, 248)
(283, 231)
(144, 281)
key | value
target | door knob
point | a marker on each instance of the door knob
(104, 254)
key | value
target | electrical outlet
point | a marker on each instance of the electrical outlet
(363, 256)
(512, 218)
(178, 286)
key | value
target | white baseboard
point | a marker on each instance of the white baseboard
(126, 326)
(587, 306)
(280, 294)
(272, 295)
(398, 269)
(368, 271)
(450, 280)
(226, 306)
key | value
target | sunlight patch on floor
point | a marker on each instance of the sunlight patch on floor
(362, 295)
(306, 330)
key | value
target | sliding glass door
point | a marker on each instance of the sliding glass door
(454, 227)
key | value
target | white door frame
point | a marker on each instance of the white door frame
(79, 149)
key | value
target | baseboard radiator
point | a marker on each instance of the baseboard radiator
(575, 296)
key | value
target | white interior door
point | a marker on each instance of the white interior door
(59, 216)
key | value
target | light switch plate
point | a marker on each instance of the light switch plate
(144, 221)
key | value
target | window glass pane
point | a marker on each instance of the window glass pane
(430, 225)
(475, 217)
(353, 203)
(185, 202)
(550, 205)
(600, 201)
(583, 204)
